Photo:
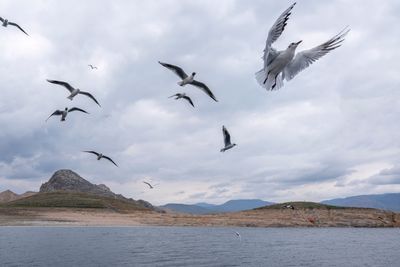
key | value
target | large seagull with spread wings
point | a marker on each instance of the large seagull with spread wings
(286, 64)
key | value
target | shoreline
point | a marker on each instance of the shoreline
(267, 218)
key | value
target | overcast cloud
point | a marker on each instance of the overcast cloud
(333, 131)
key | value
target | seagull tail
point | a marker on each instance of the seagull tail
(260, 77)
(270, 83)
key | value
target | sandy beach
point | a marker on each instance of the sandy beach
(254, 218)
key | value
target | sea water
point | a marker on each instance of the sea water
(198, 246)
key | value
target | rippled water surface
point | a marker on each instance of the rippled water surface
(196, 246)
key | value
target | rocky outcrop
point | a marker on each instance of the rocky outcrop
(69, 181)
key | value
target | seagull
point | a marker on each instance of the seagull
(6, 23)
(151, 187)
(184, 96)
(238, 235)
(92, 67)
(64, 112)
(101, 156)
(188, 79)
(73, 91)
(227, 140)
(285, 64)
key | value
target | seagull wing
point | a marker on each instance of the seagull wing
(273, 35)
(1, 19)
(66, 85)
(55, 113)
(188, 99)
(278, 27)
(16, 25)
(227, 136)
(204, 88)
(77, 109)
(89, 95)
(174, 95)
(92, 152)
(108, 158)
(305, 58)
(177, 70)
(148, 184)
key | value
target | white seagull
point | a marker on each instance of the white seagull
(280, 65)
(238, 235)
(101, 156)
(6, 23)
(92, 67)
(184, 96)
(64, 112)
(189, 79)
(73, 91)
(227, 140)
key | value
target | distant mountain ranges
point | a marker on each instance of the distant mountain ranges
(81, 192)
(229, 206)
(390, 201)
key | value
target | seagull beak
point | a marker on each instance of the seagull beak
(299, 42)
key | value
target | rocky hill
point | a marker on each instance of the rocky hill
(8, 195)
(67, 180)
(68, 189)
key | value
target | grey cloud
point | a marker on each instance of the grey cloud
(340, 113)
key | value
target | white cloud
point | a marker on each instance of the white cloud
(327, 133)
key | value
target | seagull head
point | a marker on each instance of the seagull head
(193, 73)
(294, 45)
(66, 109)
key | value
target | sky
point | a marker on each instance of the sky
(332, 131)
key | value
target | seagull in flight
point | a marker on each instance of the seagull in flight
(74, 91)
(189, 79)
(64, 113)
(5, 23)
(286, 64)
(184, 96)
(92, 67)
(238, 235)
(101, 156)
(227, 140)
(150, 186)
